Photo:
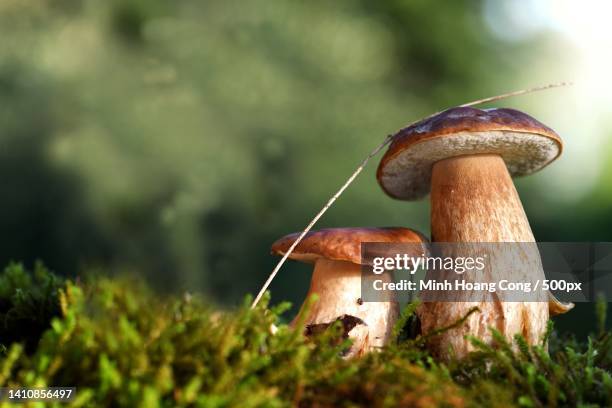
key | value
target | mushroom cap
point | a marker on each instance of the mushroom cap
(556, 307)
(525, 144)
(341, 244)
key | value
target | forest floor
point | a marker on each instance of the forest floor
(121, 344)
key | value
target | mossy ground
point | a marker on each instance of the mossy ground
(121, 344)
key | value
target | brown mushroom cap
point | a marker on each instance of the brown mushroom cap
(342, 244)
(556, 307)
(525, 144)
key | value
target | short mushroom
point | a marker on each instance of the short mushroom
(336, 279)
(465, 157)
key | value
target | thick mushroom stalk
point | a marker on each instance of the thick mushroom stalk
(473, 200)
(337, 285)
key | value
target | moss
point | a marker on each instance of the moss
(28, 301)
(122, 345)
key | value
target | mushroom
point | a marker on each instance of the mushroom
(336, 279)
(466, 157)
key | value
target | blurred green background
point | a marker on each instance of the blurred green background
(177, 140)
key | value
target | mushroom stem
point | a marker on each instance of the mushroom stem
(338, 286)
(473, 200)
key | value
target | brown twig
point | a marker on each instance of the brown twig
(516, 93)
(365, 161)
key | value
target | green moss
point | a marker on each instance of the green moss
(123, 345)
(28, 301)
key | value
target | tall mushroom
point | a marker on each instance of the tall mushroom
(336, 279)
(466, 157)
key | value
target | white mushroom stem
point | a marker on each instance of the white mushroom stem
(338, 287)
(473, 200)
